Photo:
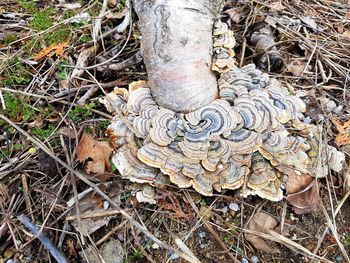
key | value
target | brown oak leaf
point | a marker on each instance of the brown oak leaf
(263, 223)
(303, 193)
(96, 153)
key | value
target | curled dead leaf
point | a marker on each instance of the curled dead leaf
(298, 67)
(277, 6)
(96, 153)
(297, 183)
(235, 14)
(303, 193)
(263, 223)
(346, 34)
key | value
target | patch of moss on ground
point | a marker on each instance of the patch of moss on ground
(41, 20)
(80, 113)
(84, 39)
(43, 133)
(14, 72)
(59, 35)
(28, 5)
(9, 39)
(18, 109)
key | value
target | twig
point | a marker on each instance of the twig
(3, 105)
(91, 92)
(209, 228)
(276, 237)
(58, 255)
(98, 21)
(94, 215)
(115, 229)
(96, 189)
(26, 195)
(134, 59)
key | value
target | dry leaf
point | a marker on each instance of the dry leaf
(235, 14)
(346, 34)
(343, 137)
(296, 67)
(47, 164)
(306, 200)
(262, 222)
(277, 6)
(54, 49)
(297, 183)
(89, 204)
(309, 22)
(96, 153)
(82, 61)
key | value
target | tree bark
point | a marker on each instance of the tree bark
(177, 48)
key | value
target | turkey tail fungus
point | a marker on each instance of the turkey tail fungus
(244, 130)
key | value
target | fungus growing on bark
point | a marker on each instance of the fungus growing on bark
(210, 135)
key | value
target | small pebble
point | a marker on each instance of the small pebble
(338, 109)
(254, 259)
(203, 246)
(155, 246)
(120, 237)
(233, 206)
(10, 260)
(339, 258)
(224, 210)
(202, 234)
(174, 256)
(307, 120)
(105, 205)
(244, 260)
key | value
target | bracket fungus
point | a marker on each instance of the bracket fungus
(251, 136)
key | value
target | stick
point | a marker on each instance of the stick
(58, 255)
(96, 189)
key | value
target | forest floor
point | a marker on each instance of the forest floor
(59, 58)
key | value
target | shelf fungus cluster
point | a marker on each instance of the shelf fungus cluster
(251, 137)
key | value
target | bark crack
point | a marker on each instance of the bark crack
(162, 32)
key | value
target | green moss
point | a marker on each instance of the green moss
(69, 14)
(14, 72)
(346, 241)
(41, 20)
(9, 39)
(28, 5)
(104, 124)
(59, 35)
(18, 108)
(81, 113)
(6, 153)
(43, 133)
(84, 39)
(121, 5)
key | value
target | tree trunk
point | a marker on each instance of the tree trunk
(177, 47)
